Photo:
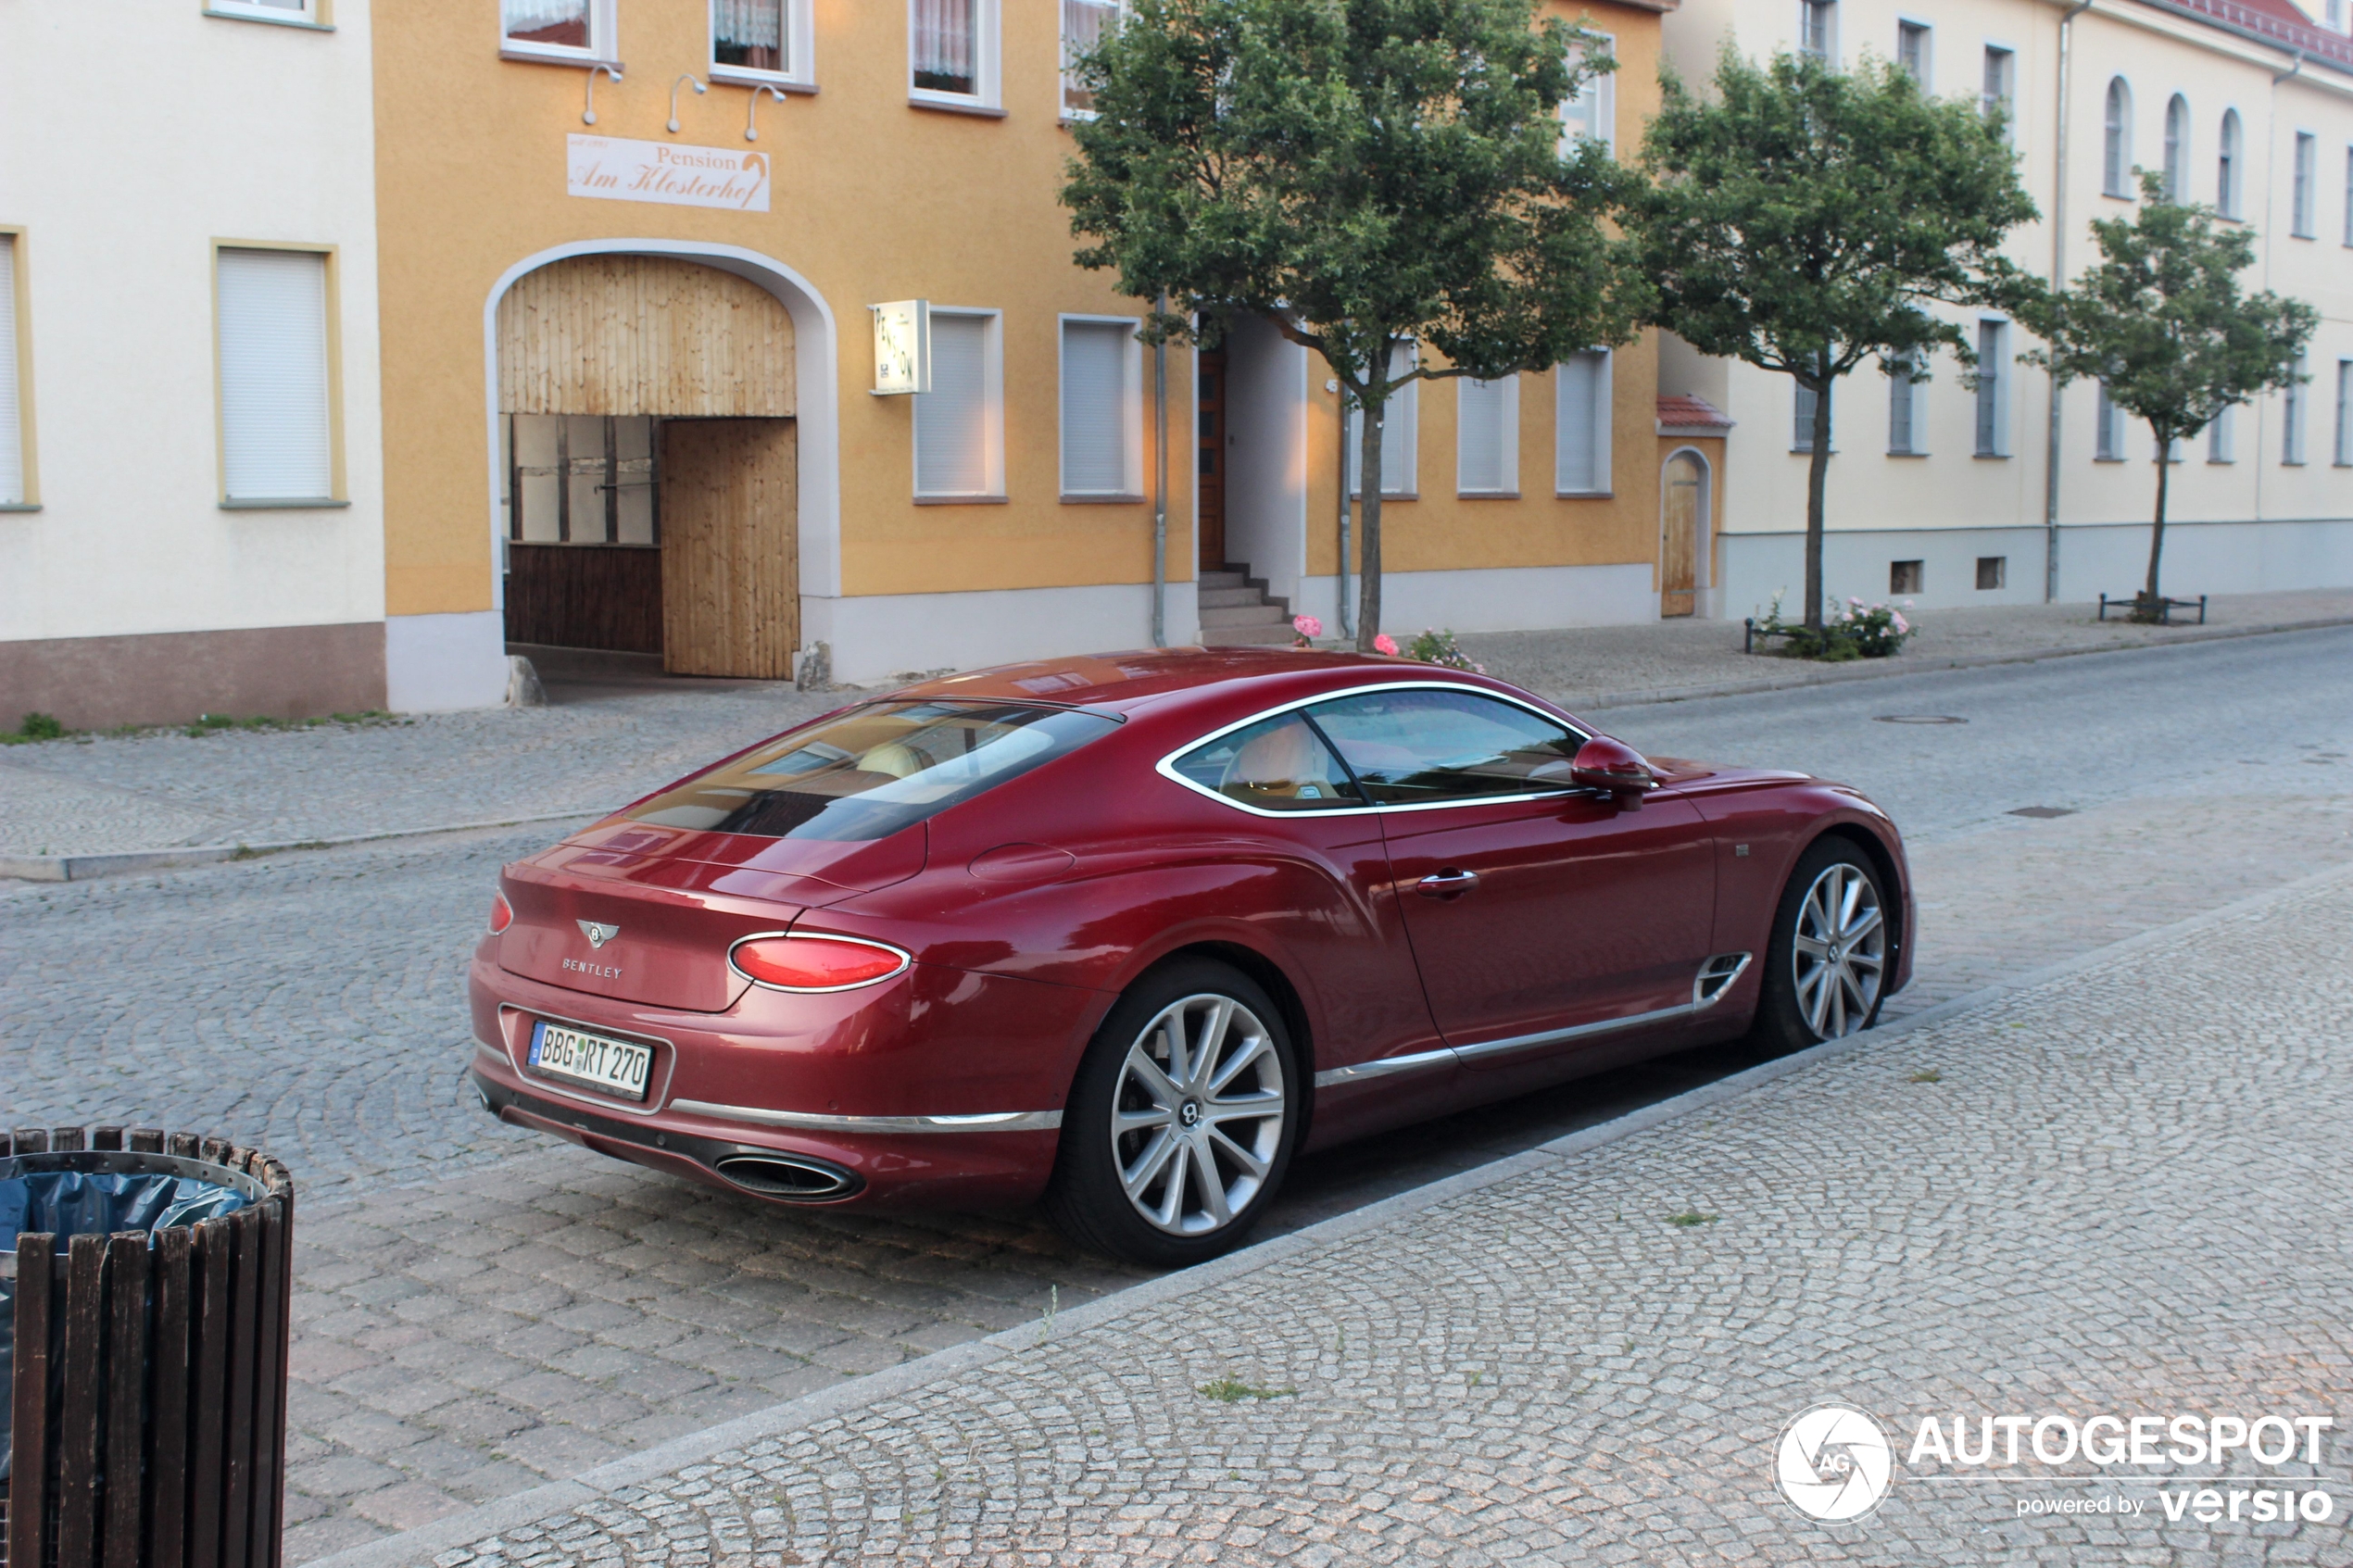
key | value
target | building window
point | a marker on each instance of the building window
(2222, 442)
(758, 41)
(951, 52)
(1906, 576)
(2344, 413)
(1801, 427)
(1993, 388)
(1818, 29)
(1999, 88)
(1592, 110)
(583, 479)
(1084, 24)
(2227, 170)
(558, 29)
(1902, 409)
(960, 423)
(2305, 172)
(2107, 431)
(2177, 149)
(313, 12)
(1102, 407)
(1912, 52)
(2348, 195)
(1993, 571)
(1400, 418)
(277, 418)
(15, 462)
(2292, 419)
(1581, 425)
(1487, 436)
(2116, 158)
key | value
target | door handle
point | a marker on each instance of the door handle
(1447, 884)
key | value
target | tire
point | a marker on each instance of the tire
(1135, 1177)
(1826, 966)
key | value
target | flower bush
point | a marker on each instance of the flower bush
(1384, 642)
(1305, 630)
(1852, 630)
(1438, 647)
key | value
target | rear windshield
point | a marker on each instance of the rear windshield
(873, 771)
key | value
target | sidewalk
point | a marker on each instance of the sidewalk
(166, 794)
(1588, 1352)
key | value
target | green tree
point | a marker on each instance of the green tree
(1806, 219)
(2160, 323)
(1364, 175)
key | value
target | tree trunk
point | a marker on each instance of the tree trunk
(2147, 609)
(1375, 409)
(1817, 473)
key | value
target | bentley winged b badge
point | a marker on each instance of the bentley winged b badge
(598, 935)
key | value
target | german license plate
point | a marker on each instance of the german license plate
(614, 1067)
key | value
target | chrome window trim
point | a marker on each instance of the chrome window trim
(816, 1122)
(906, 961)
(1166, 766)
(518, 1057)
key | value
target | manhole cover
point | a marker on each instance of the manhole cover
(2044, 812)
(1917, 718)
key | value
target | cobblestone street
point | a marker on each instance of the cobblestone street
(510, 1313)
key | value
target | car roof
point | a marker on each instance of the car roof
(1121, 683)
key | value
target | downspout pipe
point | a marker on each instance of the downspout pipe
(2058, 280)
(1160, 485)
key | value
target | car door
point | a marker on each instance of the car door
(1541, 914)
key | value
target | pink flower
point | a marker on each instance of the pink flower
(1854, 601)
(1901, 625)
(1307, 625)
(1386, 644)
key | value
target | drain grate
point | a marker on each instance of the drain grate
(2044, 812)
(1917, 718)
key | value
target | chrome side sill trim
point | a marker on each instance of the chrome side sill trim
(1574, 1031)
(818, 1122)
(1443, 1057)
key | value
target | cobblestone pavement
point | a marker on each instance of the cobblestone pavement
(1593, 1360)
(515, 1311)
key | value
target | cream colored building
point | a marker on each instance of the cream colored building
(1983, 497)
(191, 493)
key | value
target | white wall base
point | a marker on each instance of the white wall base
(437, 663)
(875, 636)
(1493, 598)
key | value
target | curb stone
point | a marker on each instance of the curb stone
(447, 1536)
(117, 862)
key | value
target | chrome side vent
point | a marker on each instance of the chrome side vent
(1716, 977)
(789, 1178)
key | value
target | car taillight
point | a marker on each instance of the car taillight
(502, 914)
(815, 963)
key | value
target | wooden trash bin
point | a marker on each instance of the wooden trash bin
(148, 1394)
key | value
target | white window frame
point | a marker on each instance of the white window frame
(2001, 378)
(1801, 421)
(800, 74)
(603, 40)
(1507, 445)
(2178, 135)
(2008, 55)
(2304, 186)
(2230, 164)
(1603, 434)
(1063, 82)
(1600, 92)
(2221, 436)
(2292, 420)
(1900, 386)
(1826, 11)
(330, 280)
(2108, 426)
(1906, 23)
(1402, 413)
(1131, 422)
(987, 64)
(316, 14)
(24, 496)
(2116, 139)
(992, 373)
(2348, 193)
(2345, 413)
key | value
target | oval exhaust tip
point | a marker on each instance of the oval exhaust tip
(783, 1176)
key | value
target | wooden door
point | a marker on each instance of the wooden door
(730, 548)
(1209, 371)
(1679, 535)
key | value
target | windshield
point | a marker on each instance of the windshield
(868, 772)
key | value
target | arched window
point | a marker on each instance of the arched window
(2226, 186)
(2115, 166)
(2177, 149)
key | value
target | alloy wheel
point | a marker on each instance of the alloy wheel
(1197, 1115)
(1840, 951)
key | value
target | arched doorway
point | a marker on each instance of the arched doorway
(1682, 533)
(648, 438)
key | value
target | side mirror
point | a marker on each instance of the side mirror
(1614, 768)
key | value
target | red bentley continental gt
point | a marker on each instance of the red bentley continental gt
(1129, 932)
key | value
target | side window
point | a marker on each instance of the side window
(1409, 747)
(1278, 764)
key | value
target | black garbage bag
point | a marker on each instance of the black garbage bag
(69, 1203)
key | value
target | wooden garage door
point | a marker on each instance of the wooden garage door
(730, 565)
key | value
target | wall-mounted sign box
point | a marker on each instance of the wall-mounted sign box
(612, 169)
(902, 347)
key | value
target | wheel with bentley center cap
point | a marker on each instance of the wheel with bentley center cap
(1826, 971)
(1181, 1122)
